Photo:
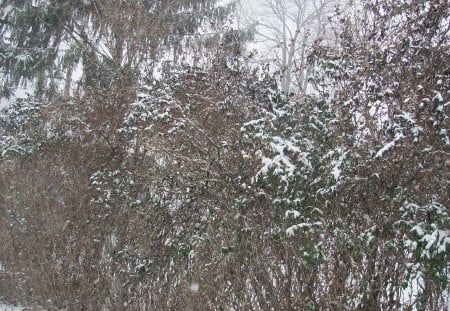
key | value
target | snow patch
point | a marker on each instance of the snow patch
(291, 230)
(193, 287)
(294, 213)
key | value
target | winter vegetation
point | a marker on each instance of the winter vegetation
(4, 307)
(160, 164)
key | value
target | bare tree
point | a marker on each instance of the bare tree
(286, 29)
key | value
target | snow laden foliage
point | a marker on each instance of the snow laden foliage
(19, 123)
(31, 125)
(427, 241)
(181, 178)
(388, 83)
(210, 187)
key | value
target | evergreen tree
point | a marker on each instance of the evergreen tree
(114, 42)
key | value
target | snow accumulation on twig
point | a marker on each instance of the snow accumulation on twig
(389, 145)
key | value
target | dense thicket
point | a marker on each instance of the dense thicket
(206, 187)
